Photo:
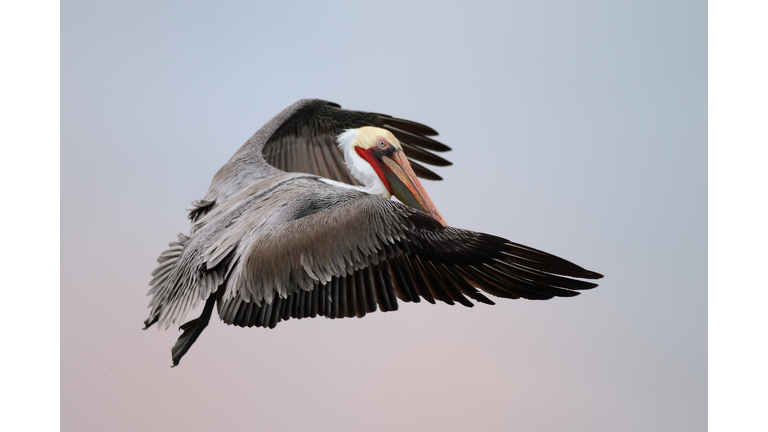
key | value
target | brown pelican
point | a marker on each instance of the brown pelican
(299, 223)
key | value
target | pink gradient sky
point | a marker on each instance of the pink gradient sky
(577, 129)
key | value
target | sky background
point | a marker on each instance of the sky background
(579, 128)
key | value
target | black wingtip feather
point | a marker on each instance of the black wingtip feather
(414, 152)
(418, 139)
(424, 173)
(534, 258)
(406, 125)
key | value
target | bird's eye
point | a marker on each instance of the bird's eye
(382, 143)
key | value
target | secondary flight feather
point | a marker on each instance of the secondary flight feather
(299, 223)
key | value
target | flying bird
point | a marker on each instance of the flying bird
(299, 223)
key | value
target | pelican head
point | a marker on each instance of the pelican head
(375, 157)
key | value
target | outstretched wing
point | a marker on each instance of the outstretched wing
(349, 255)
(302, 138)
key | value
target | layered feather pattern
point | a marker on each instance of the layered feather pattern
(272, 241)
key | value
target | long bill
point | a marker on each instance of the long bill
(406, 186)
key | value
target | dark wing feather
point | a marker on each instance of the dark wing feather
(302, 139)
(306, 141)
(392, 252)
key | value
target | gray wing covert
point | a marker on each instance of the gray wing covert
(197, 264)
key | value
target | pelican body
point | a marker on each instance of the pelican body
(299, 223)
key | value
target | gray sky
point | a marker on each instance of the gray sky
(577, 128)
